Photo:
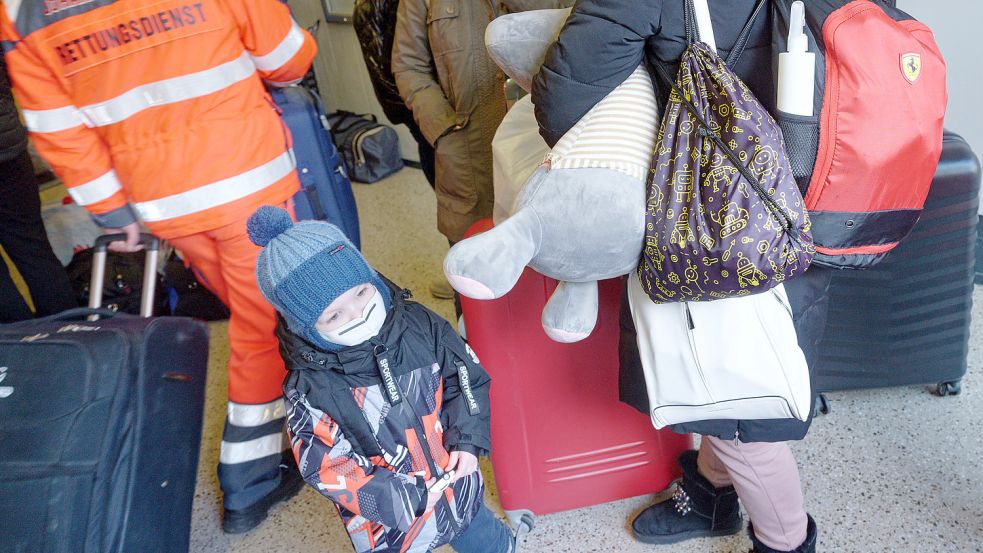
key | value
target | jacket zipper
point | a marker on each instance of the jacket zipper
(549, 160)
(690, 327)
(421, 436)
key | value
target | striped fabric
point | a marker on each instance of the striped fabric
(618, 133)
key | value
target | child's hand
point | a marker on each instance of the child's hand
(462, 463)
(432, 497)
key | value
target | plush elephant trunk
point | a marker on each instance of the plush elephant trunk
(488, 265)
(518, 42)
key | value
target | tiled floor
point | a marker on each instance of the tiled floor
(894, 470)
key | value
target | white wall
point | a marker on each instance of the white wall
(958, 28)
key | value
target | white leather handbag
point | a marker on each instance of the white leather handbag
(733, 358)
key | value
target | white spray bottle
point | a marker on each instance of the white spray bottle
(796, 68)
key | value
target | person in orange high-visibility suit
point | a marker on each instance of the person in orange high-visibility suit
(157, 113)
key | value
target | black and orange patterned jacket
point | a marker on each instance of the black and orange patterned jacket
(370, 423)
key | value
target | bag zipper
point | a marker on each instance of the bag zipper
(690, 327)
(359, 153)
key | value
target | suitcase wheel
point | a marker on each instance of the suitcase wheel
(952, 388)
(522, 520)
(822, 406)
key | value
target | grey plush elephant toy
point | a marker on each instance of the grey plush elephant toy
(580, 217)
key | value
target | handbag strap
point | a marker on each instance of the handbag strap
(345, 120)
(696, 19)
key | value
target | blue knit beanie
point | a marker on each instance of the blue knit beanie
(304, 267)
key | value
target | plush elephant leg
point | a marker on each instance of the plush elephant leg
(571, 312)
(488, 265)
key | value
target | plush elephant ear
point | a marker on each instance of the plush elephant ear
(517, 42)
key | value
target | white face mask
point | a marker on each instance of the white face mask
(358, 330)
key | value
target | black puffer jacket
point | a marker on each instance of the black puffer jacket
(601, 43)
(13, 137)
(375, 25)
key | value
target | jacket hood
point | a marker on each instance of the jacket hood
(359, 359)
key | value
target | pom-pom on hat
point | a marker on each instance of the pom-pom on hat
(304, 267)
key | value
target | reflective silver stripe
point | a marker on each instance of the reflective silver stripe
(96, 190)
(280, 55)
(247, 416)
(51, 120)
(233, 453)
(13, 7)
(168, 91)
(217, 193)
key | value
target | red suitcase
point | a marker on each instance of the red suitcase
(560, 437)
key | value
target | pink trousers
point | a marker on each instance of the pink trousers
(767, 481)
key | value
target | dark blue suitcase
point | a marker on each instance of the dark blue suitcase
(325, 191)
(907, 320)
(100, 428)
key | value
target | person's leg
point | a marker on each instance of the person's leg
(13, 308)
(255, 468)
(485, 534)
(767, 481)
(711, 468)
(25, 241)
(250, 459)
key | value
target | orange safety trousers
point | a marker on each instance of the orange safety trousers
(225, 260)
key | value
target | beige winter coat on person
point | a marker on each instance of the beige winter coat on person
(455, 92)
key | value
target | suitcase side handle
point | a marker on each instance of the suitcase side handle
(151, 244)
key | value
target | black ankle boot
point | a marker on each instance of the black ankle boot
(808, 546)
(696, 510)
(243, 520)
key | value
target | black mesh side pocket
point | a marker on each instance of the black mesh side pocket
(801, 136)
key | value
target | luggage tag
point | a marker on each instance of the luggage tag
(386, 374)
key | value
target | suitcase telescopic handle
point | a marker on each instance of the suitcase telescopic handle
(99, 249)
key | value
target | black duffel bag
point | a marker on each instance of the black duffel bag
(369, 150)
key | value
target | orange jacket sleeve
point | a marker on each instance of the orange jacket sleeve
(280, 48)
(76, 153)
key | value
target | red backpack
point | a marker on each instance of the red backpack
(866, 158)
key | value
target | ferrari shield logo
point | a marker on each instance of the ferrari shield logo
(911, 66)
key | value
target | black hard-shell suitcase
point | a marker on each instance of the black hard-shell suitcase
(906, 320)
(100, 427)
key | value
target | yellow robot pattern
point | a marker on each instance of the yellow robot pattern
(724, 217)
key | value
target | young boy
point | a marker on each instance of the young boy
(387, 406)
